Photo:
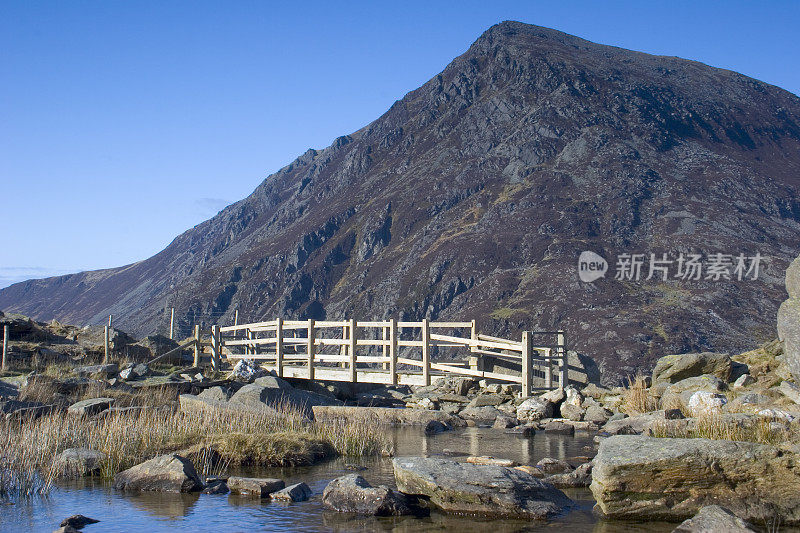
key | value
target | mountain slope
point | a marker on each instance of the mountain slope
(473, 196)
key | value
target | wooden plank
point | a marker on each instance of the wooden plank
(311, 348)
(426, 353)
(197, 346)
(409, 343)
(331, 323)
(450, 338)
(406, 361)
(106, 343)
(513, 346)
(527, 364)
(371, 342)
(477, 373)
(238, 327)
(279, 347)
(372, 359)
(434, 325)
(365, 376)
(352, 350)
(372, 324)
(409, 324)
(215, 348)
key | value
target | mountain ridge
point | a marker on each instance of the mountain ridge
(473, 195)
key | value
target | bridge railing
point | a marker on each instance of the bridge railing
(390, 351)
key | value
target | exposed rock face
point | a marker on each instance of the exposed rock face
(714, 519)
(644, 478)
(479, 489)
(353, 494)
(789, 320)
(474, 195)
(165, 473)
(674, 368)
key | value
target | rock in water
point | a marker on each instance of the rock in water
(714, 519)
(645, 478)
(78, 462)
(78, 521)
(254, 486)
(479, 489)
(166, 473)
(353, 494)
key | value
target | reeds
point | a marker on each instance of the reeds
(636, 399)
(721, 427)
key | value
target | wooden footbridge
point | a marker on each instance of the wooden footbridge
(393, 352)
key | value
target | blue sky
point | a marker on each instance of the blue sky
(122, 124)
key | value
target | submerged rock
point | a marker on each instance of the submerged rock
(165, 473)
(479, 489)
(353, 494)
(645, 478)
(713, 519)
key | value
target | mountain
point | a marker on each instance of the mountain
(473, 196)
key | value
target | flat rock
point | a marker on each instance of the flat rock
(353, 494)
(254, 486)
(645, 478)
(299, 492)
(166, 473)
(580, 477)
(559, 427)
(481, 415)
(78, 462)
(256, 395)
(216, 487)
(479, 489)
(714, 519)
(550, 465)
(90, 407)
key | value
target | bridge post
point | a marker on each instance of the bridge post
(311, 349)
(548, 369)
(106, 342)
(426, 352)
(563, 379)
(215, 348)
(197, 346)
(248, 335)
(393, 350)
(527, 363)
(352, 350)
(279, 346)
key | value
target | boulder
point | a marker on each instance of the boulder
(254, 486)
(479, 489)
(573, 396)
(535, 409)
(645, 478)
(256, 396)
(793, 279)
(674, 368)
(353, 494)
(595, 391)
(299, 492)
(706, 403)
(555, 396)
(383, 415)
(78, 521)
(97, 371)
(191, 404)
(505, 422)
(549, 465)
(559, 427)
(78, 462)
(483, 415)
(678, 394)
(165, 473)
(789, 334)
(580, 477)
(246, 371)
(489, 460)
(434, 426)
(597, 415)
(714, 519)
(90, 407)
(216, 487)
(743, 381)
(790, 390)
(572, 412)
(218, 394)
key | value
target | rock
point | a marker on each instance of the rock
(674, 368)
(776, 414)
(246, 370)
(789, 334)
(645, 478)
(572, 412)
(219, 394)
(216, 487)
(127, 374)
(714, 519)
(505, 422)
(255, 487)
(273, 382)
(165, 473)
(191, 404)
(97, 371)
(434, 426)
(555, 396)
(483, 400)
(484, 415)
(560, 428)
(597, 415)
(792, 279)
(353, 494)
(678, 394)
(535, 409)
(532, 470)
(256, 396)
(706, 403)
(479, 489)
(78, 521)
(78, 462)
(580, 477)
(573, 396)
(595, 391)
(524, 431)
(90, 407)
(790, 390)
(743, 381)
(549, 465)
(299, 492)
(488, 460)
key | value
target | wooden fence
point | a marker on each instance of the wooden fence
(391, 352)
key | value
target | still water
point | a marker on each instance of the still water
(119, 512)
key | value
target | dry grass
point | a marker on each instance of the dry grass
(636, 399)
(213, 438)
(719, 427)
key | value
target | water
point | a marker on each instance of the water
(155, 512)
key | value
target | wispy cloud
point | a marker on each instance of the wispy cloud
(10, 275)
(209, 207)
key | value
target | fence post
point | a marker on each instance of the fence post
(215, 348)
(563, 379)
(385, 347)
(5, 347)
(248, 349)
(548, 369)
(352, 350)
(172, 324)
(106, 345)
(426, 352)
(311, 349)
(527, 363)
(279, 346)
(236, 318)
(393, 350)
(197, 345)
(475, 361)
(110, 317)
